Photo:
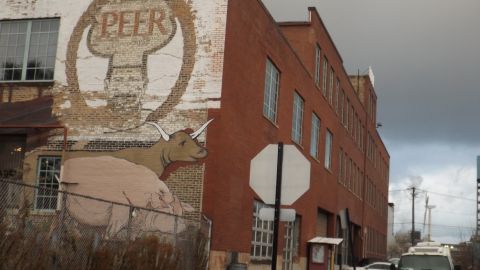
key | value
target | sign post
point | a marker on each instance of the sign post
(279, 174)
(278, 194)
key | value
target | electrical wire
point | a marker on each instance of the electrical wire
(436, 193)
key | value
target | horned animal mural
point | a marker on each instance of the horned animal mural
(129, 176)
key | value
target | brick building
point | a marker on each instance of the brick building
(82, 83)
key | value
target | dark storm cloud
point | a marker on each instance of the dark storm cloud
(425, 56)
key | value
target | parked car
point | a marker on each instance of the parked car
(394, 261)
(373, 266)
(378, 266)
(427, 255)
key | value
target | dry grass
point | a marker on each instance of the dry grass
(25, 245)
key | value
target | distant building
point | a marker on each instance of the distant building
(83, 80)
(391, 223)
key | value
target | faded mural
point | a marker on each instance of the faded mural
(132, 77)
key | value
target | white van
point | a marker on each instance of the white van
(427, 256)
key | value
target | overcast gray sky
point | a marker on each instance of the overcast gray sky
(426, 59)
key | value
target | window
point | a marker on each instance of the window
(350, 119)
(28, 49)
(342, 105)
(262, 235)
(46, 195)
(330, 87)
(324, 79)
(337, 95)
(297, 118)
(347, 107)
(349, 174)
(340, 165)
(328, 149)
(292, 234)
(315, 136)
(272, 78)
(317, 65)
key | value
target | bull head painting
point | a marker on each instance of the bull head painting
(179, 146)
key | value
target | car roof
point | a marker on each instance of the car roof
(383, 263)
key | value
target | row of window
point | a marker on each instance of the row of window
(262, 239)
(375, 156)
(349, 174)
(272, 78)
(28, 49)
(338, 100)
(375, 198)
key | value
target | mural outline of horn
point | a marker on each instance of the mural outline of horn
(200, 130)
(164, 134)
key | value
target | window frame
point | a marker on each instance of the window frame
(324, 77)
(292, 240)
(318, 64)
(297, 117)
(47, 186)
(258, 226)
(315, 135)
(328, 149)
(28, 47)
(331, 86)
(337, 94)
(271, 91)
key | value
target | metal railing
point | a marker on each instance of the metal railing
(83, 232)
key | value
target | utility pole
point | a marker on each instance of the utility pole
(412, 233)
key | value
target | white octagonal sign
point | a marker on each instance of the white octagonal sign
(295, 174)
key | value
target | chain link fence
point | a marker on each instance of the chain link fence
(45, 228)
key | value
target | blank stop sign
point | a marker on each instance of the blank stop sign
(295, 174)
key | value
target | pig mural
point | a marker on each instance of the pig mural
(129, 176)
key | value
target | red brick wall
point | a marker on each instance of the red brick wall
(240, 130)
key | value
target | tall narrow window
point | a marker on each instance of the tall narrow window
(262, 235)
(292, 233)
(337, 95)
(272, 78)
(28, 49)
(350, 119)
(46, 195)
(314, 136)
(347, 113)
(324, 79)
(340, 165)
(317, 65)
(342, 105)
(328, 149)
(330, 87)
(297, 118)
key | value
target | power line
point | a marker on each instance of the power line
(438, 225)
(399, 210)
(436, 193)
(448, 195)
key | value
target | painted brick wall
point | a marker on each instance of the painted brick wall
(122, 63)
